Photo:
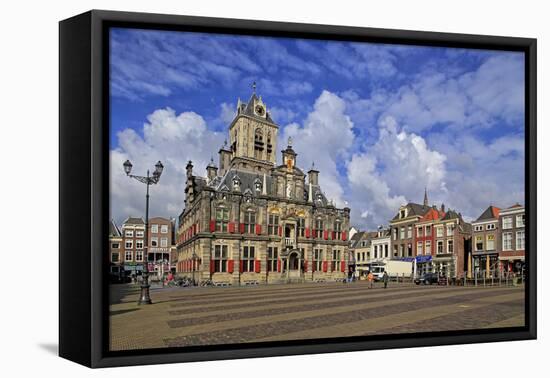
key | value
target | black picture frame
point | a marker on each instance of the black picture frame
(84, 194)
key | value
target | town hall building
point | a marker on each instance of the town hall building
(252, 220)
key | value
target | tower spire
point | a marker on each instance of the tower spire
(426, 196)
(254, 87)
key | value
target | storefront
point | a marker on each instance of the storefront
(423, 265)
(512, 264)
(486, 265)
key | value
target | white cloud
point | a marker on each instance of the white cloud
(393, 171)
(171, 138)
(325, 138)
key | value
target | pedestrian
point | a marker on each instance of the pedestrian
(370, 278)
(386, 279)
(350, 274)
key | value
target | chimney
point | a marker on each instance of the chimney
(313, 175)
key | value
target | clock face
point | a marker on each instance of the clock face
(259, 110)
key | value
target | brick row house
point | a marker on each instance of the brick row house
(127, 246)
(486, 243)
(252, 221)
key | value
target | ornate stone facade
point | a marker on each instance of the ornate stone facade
(251, 221)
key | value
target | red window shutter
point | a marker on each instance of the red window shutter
(212, 225)
(241, 228)
(278, 265)
(314, 233)
(344, 235)
(343, 266)
(307, 232)
(325, 266)
(305, 265)
(258, 229)
(241, 264)
(257, 266)
(333, 235)
(280, 231)
(231, 227)
(230, 266)
(325, 235)
(212, 267)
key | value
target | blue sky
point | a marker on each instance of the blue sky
(381, 122)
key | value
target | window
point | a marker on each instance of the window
(419, 248)
(335, 260)
(478, 228)
(139, 255)
(154, 242)
(439, 232)
(273, 224)
(479, 243)
(491, 226)
(114, 257)
(520, 220)
(248, 258)
(428, 230)
(129, 244)
(450, 228)
(164, 242)
(272, 256)
(440, 246)
(317, 259)
(249, 222)
(409, 232)
(301, 227)
(220, 258)
(402, 233)
(386, 250)
(154, 228)
(164, 229)
(506, 223)
(409, 250)
(402, 213)
(222, 219)
(394, 230)
(507, 241)
(375, 251)
(115, 245)
(449, 246)
(428, 250)
(394, 251)
(129, 233)
(128, 256)
(338, 230)
(419, 231)
(520, 240)
(491, 242)
(318, 228)
(139, 233)
(139, 244)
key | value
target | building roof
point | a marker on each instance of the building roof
(114, 231)
(248, 109)
(490, 213)
(414, 209)
(432, 215)
(134, 221)
(362, 236)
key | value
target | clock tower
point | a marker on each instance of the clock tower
(253, 136)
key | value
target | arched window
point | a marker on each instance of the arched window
(269, 146)
(258, 143)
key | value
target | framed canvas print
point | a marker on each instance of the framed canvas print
(235, 188)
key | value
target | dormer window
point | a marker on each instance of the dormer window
(236, 183)
(319, 197)
(258, 185)
(403, 213)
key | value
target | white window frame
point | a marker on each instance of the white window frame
(520, 246)
(154, 228)
(438, 243)
(439, 231)
(117, 245)
(156, 240)
(164, 242)
(419, 231)
(505, 242)
(164, 229)
(507, 223)
(129, 233)
(402, 233)
(478, 227)
(482, 243)
(118, 257)
(128, 244)
(139, 254)
(138, 242)
(409, 232)
(419, 248)
(139, 233)
(491, 226)
(449, 229)
(126, 255)
(428, 247)
(487, 241)
(450, 243)
(520, 220)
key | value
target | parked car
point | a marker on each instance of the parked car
(427, 279)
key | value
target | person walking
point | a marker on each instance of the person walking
(386, 279)
(350, 274)
(370, 278)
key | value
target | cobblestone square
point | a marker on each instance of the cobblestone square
(208, 316)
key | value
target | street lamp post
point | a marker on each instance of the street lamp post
(144, 297)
